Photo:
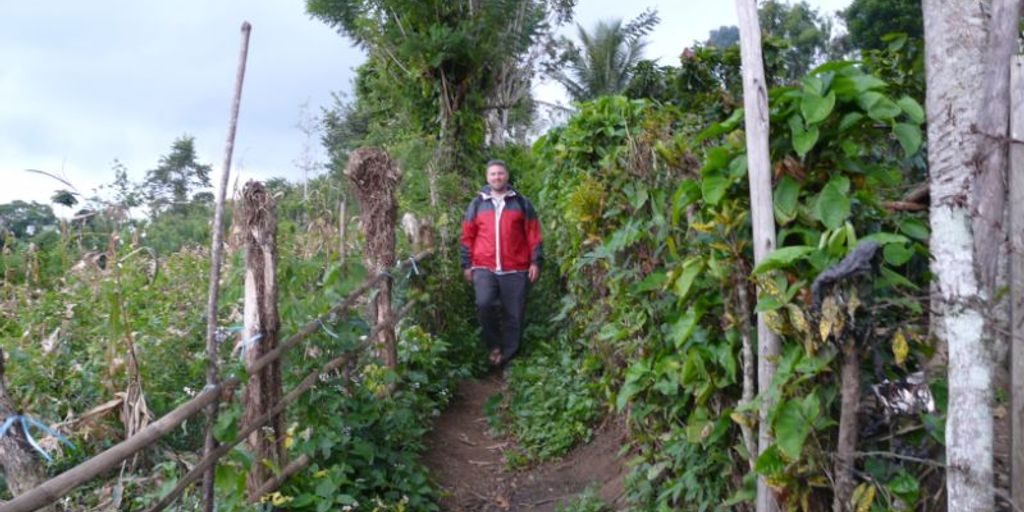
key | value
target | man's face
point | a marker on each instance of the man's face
(497, 178)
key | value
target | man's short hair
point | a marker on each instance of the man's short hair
(495, 161)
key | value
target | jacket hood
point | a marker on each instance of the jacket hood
(485, 192)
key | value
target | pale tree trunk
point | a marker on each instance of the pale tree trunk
(755, 103)
(954, 43)
(1016, 230)
(259, 334)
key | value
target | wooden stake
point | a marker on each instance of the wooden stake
(1016, 231)
(755, 104)
(216, 256)
(342, 227)
(260, 331)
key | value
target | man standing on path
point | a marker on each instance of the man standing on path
(501, 256)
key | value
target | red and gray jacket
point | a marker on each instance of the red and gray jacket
(501, 234)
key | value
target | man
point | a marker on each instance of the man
(501, 256)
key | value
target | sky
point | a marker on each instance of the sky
(85, 83)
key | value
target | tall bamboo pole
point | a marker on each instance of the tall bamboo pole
(216, 256)
(755, 104)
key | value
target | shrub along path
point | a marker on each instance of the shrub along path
(468, 464)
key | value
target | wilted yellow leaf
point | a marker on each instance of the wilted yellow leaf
(797, 318)
(832, 320)
(900, 347)
(865, 499)
(740, 419)
(775, 322)
(853, 304)
(703, 227)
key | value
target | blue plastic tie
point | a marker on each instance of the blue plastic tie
(326, 330)
(250, 341)
(26, 421)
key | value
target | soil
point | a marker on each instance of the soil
(468, 464)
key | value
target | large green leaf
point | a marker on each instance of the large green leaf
(833, 206)
(691, 269)
(852, 86)
(803, 140)
(713, 187)
(683, 328)
(897, 254)
(787, 193)
(912, 108)
(770, 462)
(813, 84)
(783, 257)
(915, 229)
(878, 106)
(791, 428)
(849, 120)
(909, 136)
(816, 108)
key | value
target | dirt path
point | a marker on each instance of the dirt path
(469, 465)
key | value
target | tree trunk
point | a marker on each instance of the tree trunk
(387, 346)
(744, 308)
(375, 177)
(846, 445)
(954, 43)
(1016, 230)
(259, 334)
(755, 103)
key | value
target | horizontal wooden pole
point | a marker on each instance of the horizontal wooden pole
(277, 481)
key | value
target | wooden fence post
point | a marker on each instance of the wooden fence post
(342, 228)
(260, 331)
(375, 176)
(1016, 231)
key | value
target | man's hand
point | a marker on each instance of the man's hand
(469, 274)
(534, 273)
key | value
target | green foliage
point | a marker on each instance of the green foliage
(606, 57)
(550, 403)
(868, 21)
(797, 38)
(171, 185)
(23, 220)
(587, 501)
(724, 36)
(652, 231)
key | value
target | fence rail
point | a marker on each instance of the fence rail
(59, 486)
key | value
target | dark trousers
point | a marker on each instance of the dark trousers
(500, 306)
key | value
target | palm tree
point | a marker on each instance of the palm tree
(606, 57)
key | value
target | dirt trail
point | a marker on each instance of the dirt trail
(469, 466)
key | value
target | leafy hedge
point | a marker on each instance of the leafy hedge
(647, 216)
